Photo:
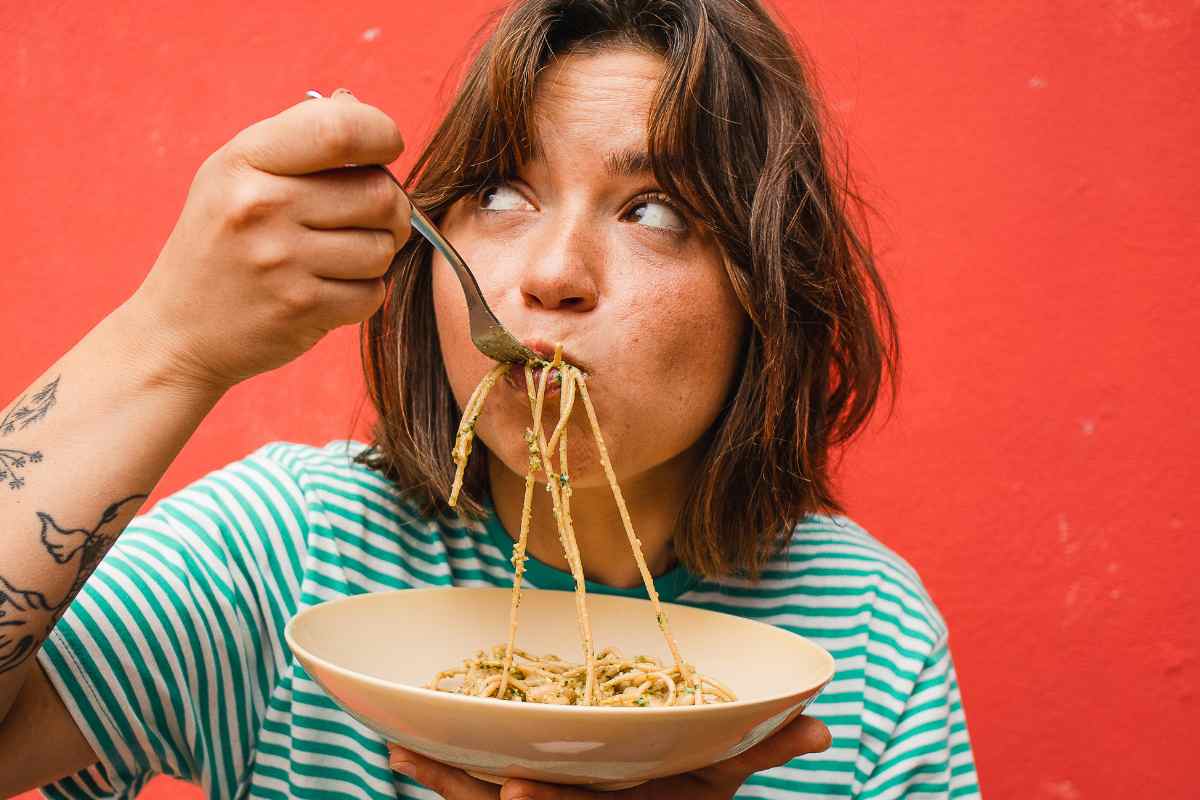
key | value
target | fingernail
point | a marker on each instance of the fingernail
(826, 739)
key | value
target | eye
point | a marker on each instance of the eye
(658, 213)
(502, 197)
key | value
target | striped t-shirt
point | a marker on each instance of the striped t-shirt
(172, 659)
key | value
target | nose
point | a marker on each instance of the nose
(560, 273)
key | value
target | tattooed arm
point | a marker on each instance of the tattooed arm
(74, 451)
(105, 424)
(277, 244)
(78, 454)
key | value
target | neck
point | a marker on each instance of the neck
(654, 500)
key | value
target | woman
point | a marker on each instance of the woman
(644, 182)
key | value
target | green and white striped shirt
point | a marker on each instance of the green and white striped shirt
(172, 658)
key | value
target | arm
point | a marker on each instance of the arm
(40, 738)
(100, 446)
(927, 754)
(82, 454)
(276, 245)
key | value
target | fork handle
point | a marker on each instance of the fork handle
(476, 305)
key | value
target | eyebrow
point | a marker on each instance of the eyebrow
(627, 163)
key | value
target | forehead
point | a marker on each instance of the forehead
(598, 101)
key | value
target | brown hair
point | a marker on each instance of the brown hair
(737, 132)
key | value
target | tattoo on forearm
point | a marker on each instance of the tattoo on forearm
(13, 461)
(28, 615)
(25, 414)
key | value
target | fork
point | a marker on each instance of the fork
(487, 334)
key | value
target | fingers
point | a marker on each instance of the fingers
(802, 736)
(449, 782)
(532, 790)
(348, 302)
(347, 254)
(359, 197)
(316, 135)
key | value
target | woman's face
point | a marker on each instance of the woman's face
(583, 248)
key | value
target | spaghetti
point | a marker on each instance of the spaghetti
(606, 678)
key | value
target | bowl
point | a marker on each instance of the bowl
(374, 653)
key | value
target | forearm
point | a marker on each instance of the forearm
(80, 451)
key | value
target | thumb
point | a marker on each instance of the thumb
(801, 736)
(445, 780)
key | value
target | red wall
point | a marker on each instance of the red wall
(1035, 168)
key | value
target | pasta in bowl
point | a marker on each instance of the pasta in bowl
(375, 654)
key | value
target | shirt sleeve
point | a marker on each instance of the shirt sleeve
(927, 755)
(167, 657)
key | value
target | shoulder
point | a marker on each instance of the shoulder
(343, 493)
(837, 560)
(270, 481)
(329, 471)
(286, 488)
(236, 514)
(298, 459)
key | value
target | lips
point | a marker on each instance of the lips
(545, 349)
(516, 376)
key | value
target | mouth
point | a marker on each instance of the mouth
(515, 377)
(545, 351)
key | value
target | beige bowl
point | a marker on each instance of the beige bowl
(373, 653)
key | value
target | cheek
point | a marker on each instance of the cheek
(692, 327)
(681, 335)
(699, 356)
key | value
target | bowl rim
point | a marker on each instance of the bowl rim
(549, 708)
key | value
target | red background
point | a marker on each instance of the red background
(1034, 166)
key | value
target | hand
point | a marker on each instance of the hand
(278, 243)
(801, 736)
